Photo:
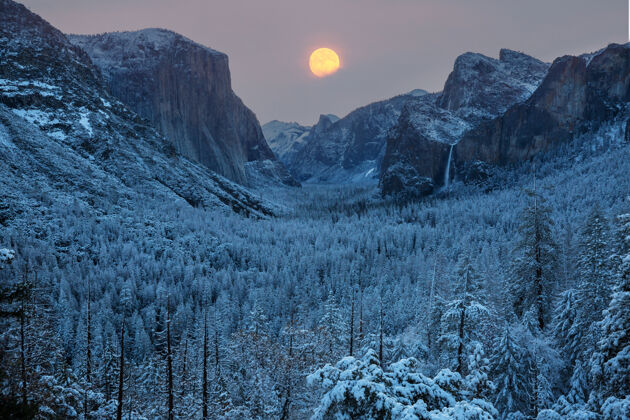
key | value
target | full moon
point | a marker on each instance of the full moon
(323, 62)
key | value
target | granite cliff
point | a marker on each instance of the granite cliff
(478, 89)
(578, 94)
(184, 90)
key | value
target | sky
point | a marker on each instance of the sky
(386, 47)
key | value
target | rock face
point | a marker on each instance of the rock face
(184, 90)
(478, 89)
(285, 138)
(484, 87)
(410, 169)
(350, 149)
(64, 137)
(578, 94)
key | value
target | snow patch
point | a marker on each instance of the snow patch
(85, 122)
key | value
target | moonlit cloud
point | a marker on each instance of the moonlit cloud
(388, 46)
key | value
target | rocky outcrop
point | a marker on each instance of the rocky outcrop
(578, 94)
(350, 149)
(485, 87)
(285, 138)
(184, 90)
(411, 167)
(65, 138)
(478, 89)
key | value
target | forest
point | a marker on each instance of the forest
(508, 300)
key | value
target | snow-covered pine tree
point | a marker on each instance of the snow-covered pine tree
(594, 284)
(332, 327)
(257, 324)
(535, 265)
(579, 385)
(611, 363)
(477, 381)
(361, 389)
(543, 396)
(511, 375)
(567, 331)
(464, 318)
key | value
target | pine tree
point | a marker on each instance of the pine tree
(543, 396)
(511, 374)
(578, 393)
(121, 371)
(594, 271)
(478, 383)
(567, 331)
(351, 327)
(535, 266)
(611, 363)
(257, 321)
(331, 326)
(204, 379)
(169, 364)
(463, 319)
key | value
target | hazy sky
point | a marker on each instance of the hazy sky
(387, 47)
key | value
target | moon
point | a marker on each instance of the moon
(323, 62)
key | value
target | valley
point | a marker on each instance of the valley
(462, 254)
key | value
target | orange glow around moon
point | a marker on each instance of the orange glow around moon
(323, 62)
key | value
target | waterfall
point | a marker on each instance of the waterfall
(448, 168)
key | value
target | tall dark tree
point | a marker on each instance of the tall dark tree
(535, 265)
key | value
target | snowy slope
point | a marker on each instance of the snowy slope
(63, 128)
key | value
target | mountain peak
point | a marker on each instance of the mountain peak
(487, 86)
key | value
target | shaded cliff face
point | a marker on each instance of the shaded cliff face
(184, 90)
(65, 138)
(478, 89)
(578, 94)
(348, 150)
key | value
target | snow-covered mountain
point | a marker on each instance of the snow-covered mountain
(285, 138)
(184, 89)
(478, 89)
(578, 94)
(346, 150)
(63, 137)
(353, 149)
